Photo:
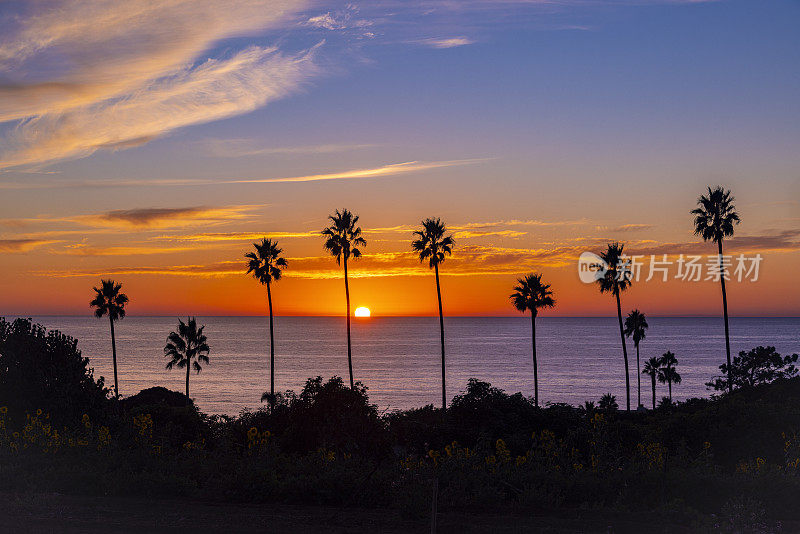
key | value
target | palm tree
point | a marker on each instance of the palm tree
(266, 264)
(432, 245)
(530, 294)
(608, 403)
(714, 220)
(667, 374)
(616, 279)
(651, 368)
(187, 347)
(342, 239)
(109, 301)
(635, 327)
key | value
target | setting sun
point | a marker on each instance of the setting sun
(362, 311)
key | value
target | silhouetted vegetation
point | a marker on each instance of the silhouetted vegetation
(616, 279)
(530, 294)
(108, 301)
(433, 245)
(61, 430)
(760, 365)
(715, 218)
(342, 241)
(266, 265)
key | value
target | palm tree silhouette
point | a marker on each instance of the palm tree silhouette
(187, 347)
(342, 239)
(667, 374)
(432, 245)
(635, 327)
(714, 220)
(109, 301)
(616, 279)
(266, 264)
(530, 294)
(651, 368)
(608, 403)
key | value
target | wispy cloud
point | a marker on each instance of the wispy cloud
(22, 245)
(100, 74)
(375, 172)
(166, 217)
(445, 42)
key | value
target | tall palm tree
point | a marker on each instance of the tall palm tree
(266, 264)
(715, 217)
(187, 347)
(667, 374)
(530, 294)
(109, 301)
(342, 239)
(635, 327)
(651, 368)
(433, 245)
(615, 280)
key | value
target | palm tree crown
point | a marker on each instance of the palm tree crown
(617, 277)
(651, 367)
(343, 237)
(431, 243)
(635, 326)
(266, 263)
(109, 301)
(530, 294)
(715, 215)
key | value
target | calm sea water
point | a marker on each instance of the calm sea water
(398, 358)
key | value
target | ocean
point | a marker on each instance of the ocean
(398, 359)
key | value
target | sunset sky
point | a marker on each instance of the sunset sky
(153, 142)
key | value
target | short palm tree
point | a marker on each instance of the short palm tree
(342, 239)
(635, 327)
(715, 217)
(433, 245)
(188, 347)
(651, 368)
(615, 280)
(530, 294)
(608, 403)
(667, 374)
(109, 301)
(266, 264)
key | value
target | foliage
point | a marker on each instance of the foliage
(343, 237)
(266, 263)
(530, 294)
(431, 243)
(45, 370)
(760, 365)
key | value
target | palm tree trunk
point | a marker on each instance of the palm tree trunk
(638, 379)
(441, 331)
(349, 348)
(188, 368)
(271, 350)
(669, 385)
(653, 378)
(114, 356)
(535, 370)
(725, 316)
(624, 352)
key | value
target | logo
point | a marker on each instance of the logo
(591, 267)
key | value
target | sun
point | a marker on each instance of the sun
(361, 311)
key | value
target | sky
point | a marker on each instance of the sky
(154, 142)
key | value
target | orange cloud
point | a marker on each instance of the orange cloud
(22, 245)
